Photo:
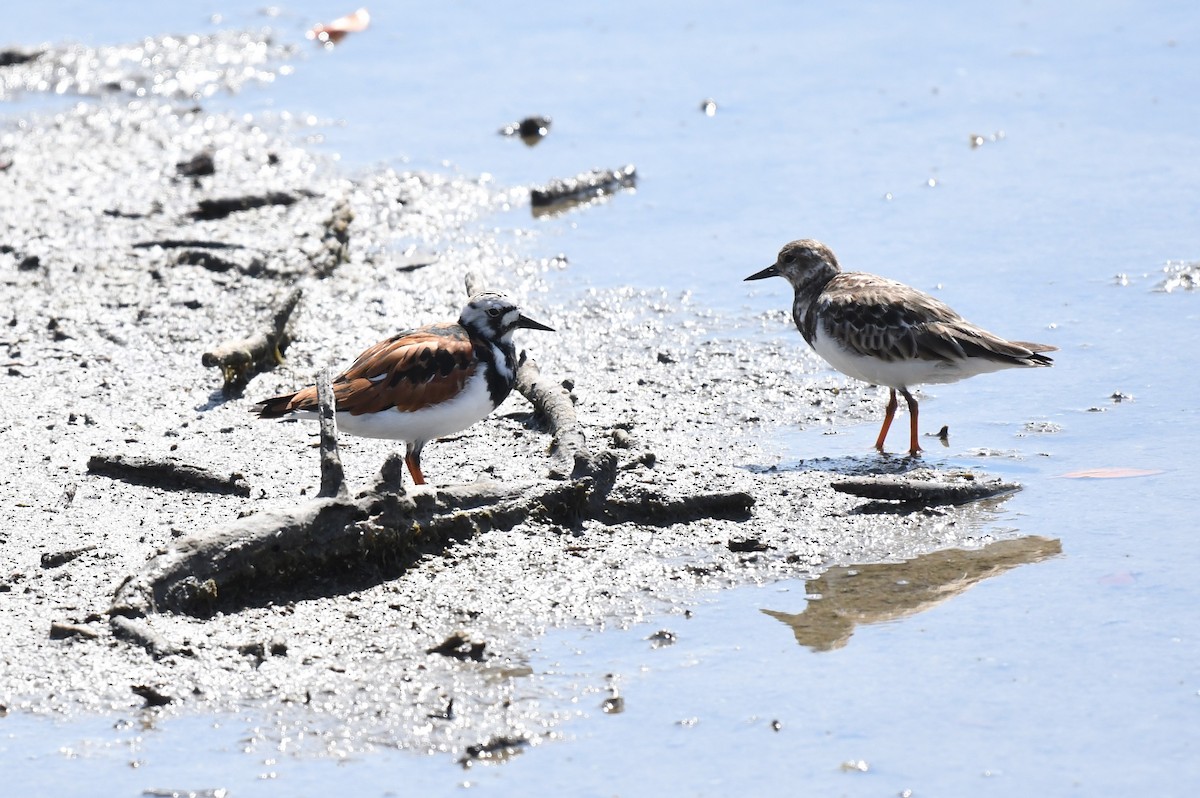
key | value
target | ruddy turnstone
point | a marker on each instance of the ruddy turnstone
(886, 333)
(425, 383)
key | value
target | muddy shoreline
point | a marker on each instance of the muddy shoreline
(118, 275)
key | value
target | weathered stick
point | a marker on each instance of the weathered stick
(379, 533)
(569, 452)
(473, 283)
(167, 474)
(648, 507)
(57, 558)
(333, 477)
(185, 243)
(240, 360)
(562, 194)
(222, 207)
(925, 488)
(140, 634)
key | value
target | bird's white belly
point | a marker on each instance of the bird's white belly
(897, 373)
(471, 405)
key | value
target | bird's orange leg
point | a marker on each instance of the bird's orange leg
(914, 448)
(887, 419)
(413, 461)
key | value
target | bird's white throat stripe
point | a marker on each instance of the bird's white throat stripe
(500, 362)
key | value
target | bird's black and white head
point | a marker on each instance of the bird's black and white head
(493, 317)
(807, 264)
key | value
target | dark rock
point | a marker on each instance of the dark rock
(497, 749)
(747, 544)
(55, 559)
(199, 165)
(152, 696)
(459, 646)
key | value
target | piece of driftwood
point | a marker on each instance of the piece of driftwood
(57, 558)
(361, 540)
(338, 543)
(211, 261)
(925, 488)
(141, 635)
(570, 456)
(333, 476)
(168, 474)
(242, 359)
(185, 243)
(208, 209)
(118, 213)
(565, 193)
(411, 263)
(60, 630)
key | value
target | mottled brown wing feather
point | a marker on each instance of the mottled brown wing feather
(409, 371)
(892, 321)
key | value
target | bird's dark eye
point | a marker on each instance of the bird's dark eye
(789, 257)
(493, 312)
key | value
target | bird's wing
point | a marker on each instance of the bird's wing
(880, 318)
(892, 321)
(409, 371)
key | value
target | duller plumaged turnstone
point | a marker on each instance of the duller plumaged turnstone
(886, 333)
(425, 383)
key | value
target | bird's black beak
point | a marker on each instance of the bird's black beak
(530, 324)
(770, 271)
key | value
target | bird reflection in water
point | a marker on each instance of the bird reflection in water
(847, 596)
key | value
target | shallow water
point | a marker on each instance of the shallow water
(1077, 674)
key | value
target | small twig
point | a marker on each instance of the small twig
(61, 630)
(239, 360)
(333, 478)
(140, 634)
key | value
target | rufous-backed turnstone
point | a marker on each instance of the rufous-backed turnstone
(425, 383)
(886, 333)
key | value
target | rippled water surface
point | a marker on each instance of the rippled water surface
(1064, 664)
